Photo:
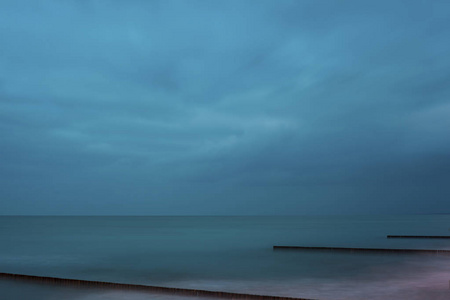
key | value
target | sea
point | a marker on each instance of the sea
(225, 253)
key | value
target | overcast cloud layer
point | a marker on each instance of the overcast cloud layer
(224, 107)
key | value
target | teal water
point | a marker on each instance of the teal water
(226, 253)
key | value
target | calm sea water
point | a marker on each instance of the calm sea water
(225, 253)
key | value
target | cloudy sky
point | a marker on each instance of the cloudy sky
(224, 107)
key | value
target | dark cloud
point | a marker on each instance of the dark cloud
(234, 107)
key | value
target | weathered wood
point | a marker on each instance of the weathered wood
(412, 251)
(142, 288)
(418, 237)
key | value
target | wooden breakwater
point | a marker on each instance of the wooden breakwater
(140, 288)
(380, 250)
(418, 237)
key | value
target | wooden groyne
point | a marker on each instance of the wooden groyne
(140, 288)
(418, 237)
(380, 250)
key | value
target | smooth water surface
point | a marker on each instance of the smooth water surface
(227, 254)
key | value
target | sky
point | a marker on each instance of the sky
(224, 107)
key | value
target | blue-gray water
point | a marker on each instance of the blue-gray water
(226, 253)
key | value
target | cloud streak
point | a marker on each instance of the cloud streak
(236, 107)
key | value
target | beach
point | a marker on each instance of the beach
(228, 254)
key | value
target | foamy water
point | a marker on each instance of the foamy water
(428, 279)
(429, 285)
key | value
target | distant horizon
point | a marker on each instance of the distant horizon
(242, 215)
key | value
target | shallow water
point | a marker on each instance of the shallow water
(227, 254)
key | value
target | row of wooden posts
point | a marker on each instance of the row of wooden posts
(380, 250)
(206, 293)
(141, 288)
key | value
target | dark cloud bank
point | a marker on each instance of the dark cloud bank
(224, 107)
